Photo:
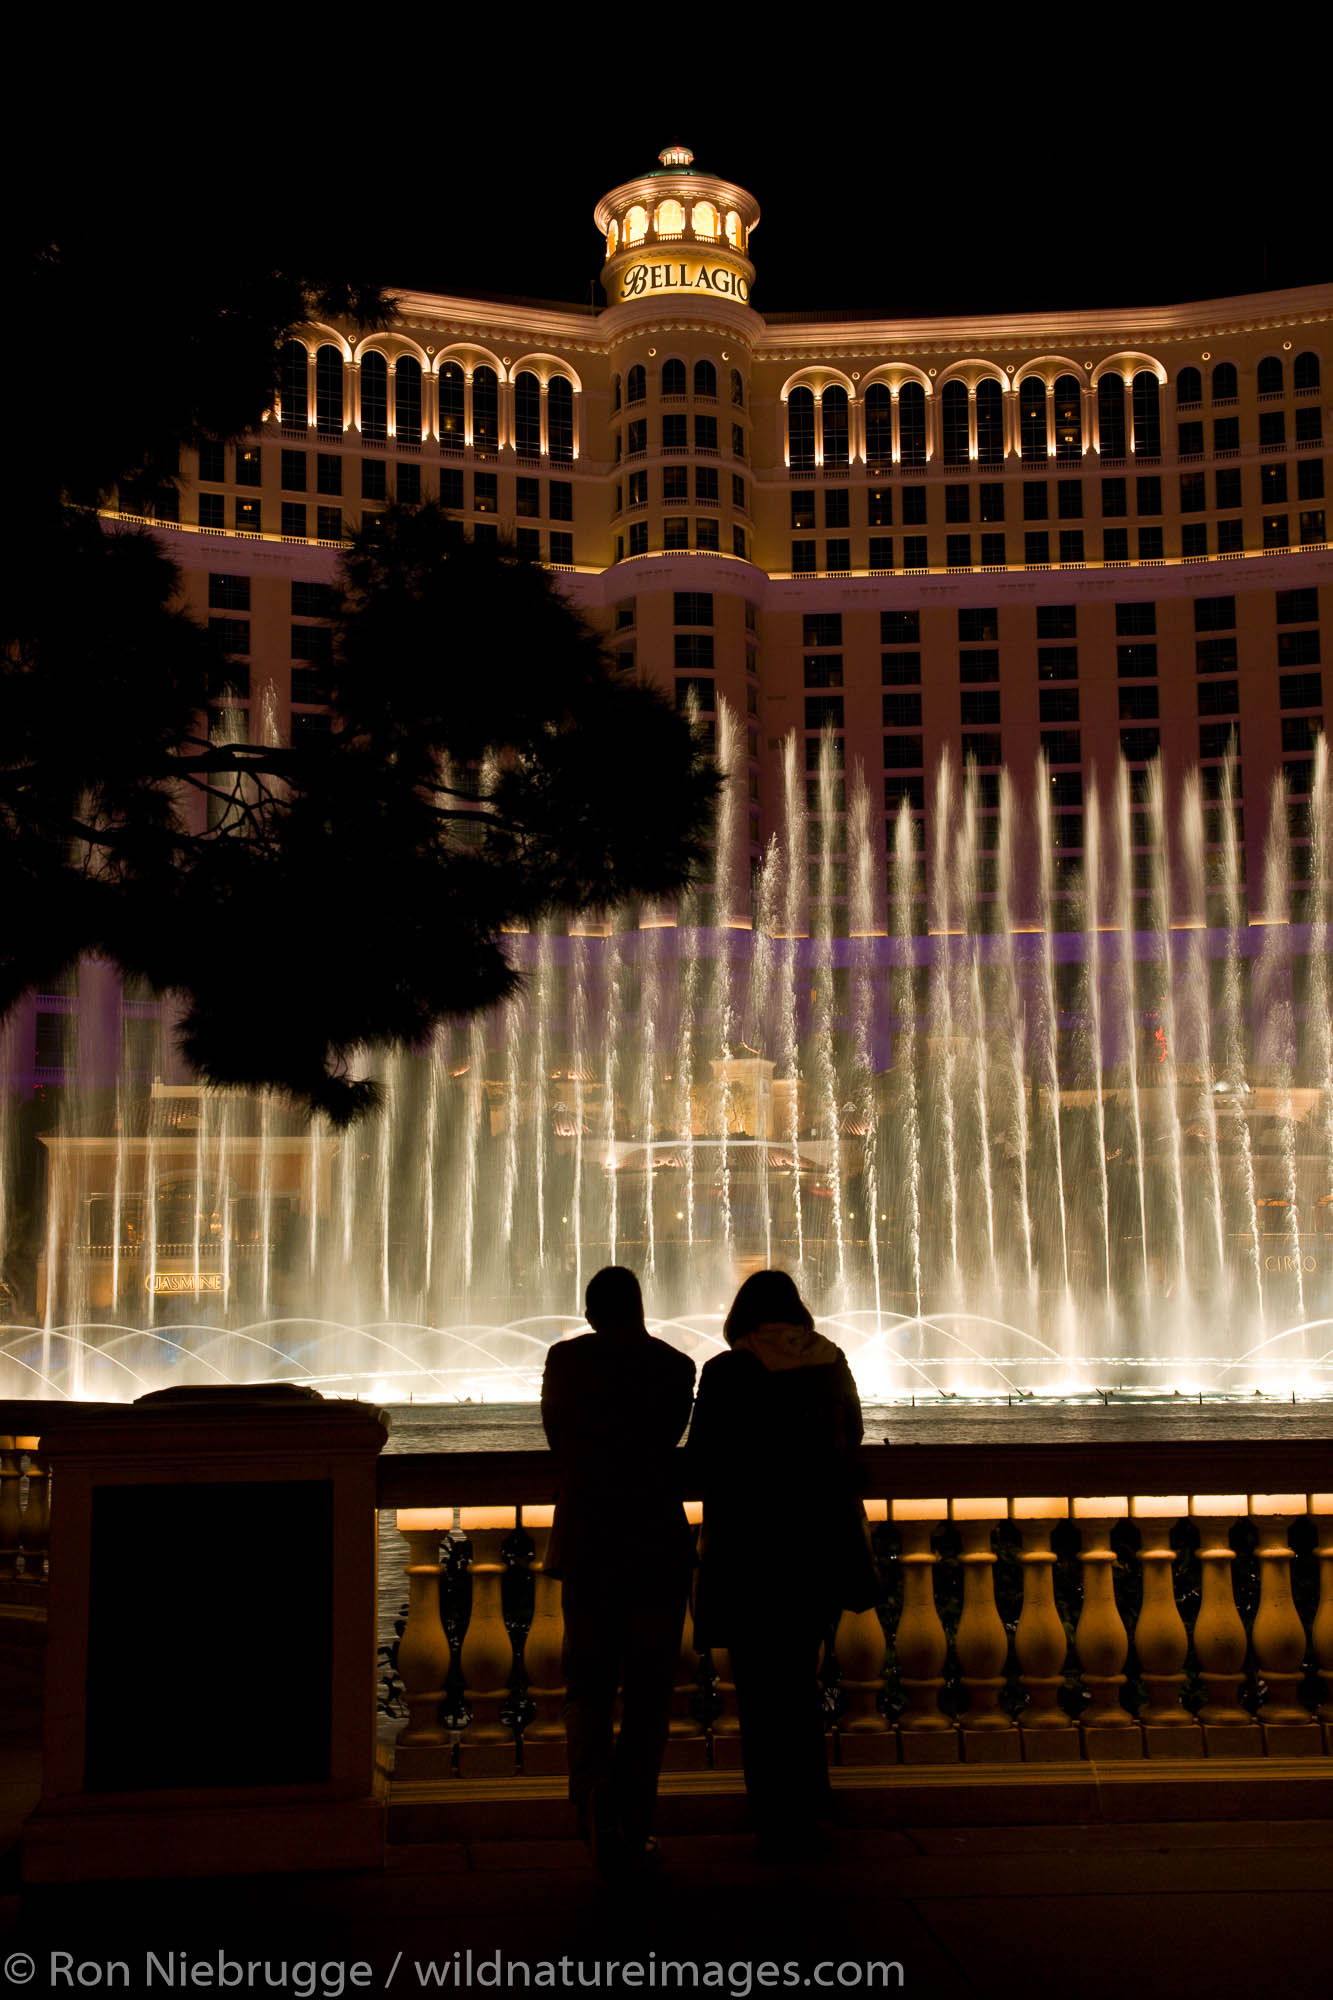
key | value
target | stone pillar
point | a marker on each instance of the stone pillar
(1279, 1636)
(1219, 1635)
(982, 1644)
(1100, 1638)
(36, 1528)
(11, 1513)
(1040, 1641)
(1321, 1505)
(925, 1733)
(864, 1736)
(486, 1747)
(423, 1749)
(725, 1729)
(687, 1745)
(1160, 1639)
(545, 1752)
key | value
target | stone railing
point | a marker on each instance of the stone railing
(1079, 1585)
(25, 1509)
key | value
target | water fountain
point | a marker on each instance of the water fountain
(1032, 1140)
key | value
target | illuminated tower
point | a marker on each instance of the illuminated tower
(675, 235)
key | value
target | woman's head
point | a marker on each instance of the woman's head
(767, 1298)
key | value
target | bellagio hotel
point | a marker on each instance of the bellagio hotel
(1093, 532)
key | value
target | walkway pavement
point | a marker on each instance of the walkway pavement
(1178, 1911)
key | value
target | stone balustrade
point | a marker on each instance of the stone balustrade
(1045, 1600)
(25, 1509)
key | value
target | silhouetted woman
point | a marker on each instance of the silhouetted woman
(775, 1449)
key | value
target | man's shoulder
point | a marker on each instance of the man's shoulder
(569, 1352)
(670, 1359)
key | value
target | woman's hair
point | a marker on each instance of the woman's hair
(767, 1298)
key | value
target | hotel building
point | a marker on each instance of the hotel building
(1090, 535)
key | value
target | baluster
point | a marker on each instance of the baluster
(1100, 1638)
(725, 1728)
(37, 1514)
(486, 1747)
(864, 1736)
(423, 1749)
(1219, 1634)
(1278, 1635)
(545, 1749)
(1040, 1641)
(1321, 1505)
(687, 1746)
(981, 1642)
(925, 1734)
(1160, 1639)
(11, 1514)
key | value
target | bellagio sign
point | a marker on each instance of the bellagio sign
(637, 281)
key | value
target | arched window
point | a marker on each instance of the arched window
(673, 378)
(670, 218)
(329, 391)
(735, 235)
(990, 422)
(801, 429)
(1147, 416)
(407, 400)
(835, 425)
(612, 239)
(560, 418)
(879, 425)
(636, 225)
(705, 379)
(485, 409)
(451, 403)
(737, 389)
(1224, 381)
(527, 415)
(1032, 417)
(1189, 388)
(703, 220)
(292, 384)
(1068, 417)
(1270, 376)
(1111, 416)
(1305, 370)
(912, 423)
(374, 396)
(953, 418)
(615, 392)
(636, 384)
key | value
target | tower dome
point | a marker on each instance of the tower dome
(676, 231)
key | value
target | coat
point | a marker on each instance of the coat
(775, 1451)
(614, 1406)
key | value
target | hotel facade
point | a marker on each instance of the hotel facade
(1087, 537)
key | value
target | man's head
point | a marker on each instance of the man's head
(613, 1302)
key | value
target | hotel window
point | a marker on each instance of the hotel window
(212, 461)
(992, 550)
(638, 538)
(958, 551)
(527, 415)
(675, 485)
(982, 663)
(1068, 417)
(294, 472)
(1036, 505)
(977, 625)
(1272, 430)
(1310, 479)
(560, 500)
(1226, 433)
(706, 533)
(485, 492)
(676, 531)
(329, 391)
(705, 379)
(616, 389)
(954, 426)
(823, 670)
(738, 498)
(1111, 417)
(879, 424)
(232, 635)
(1147, 406)
(1268, 376)
(1137, 746)
(1230, 536)
(802, 556)
(1060, 704)
(407, 400)
(1189, 439)
(835, 425)
(737, 389)
(374, 479)
(1296, 607)
(1138, 704)
(1193, 539)
(374, 396)
(692, 692)
(1312, 527)
(914, 505)
(451, 404)
(1032, 418)
(673, 378)
(313, 600)
(1215, 656)
(211, 514)
(1115, 545)
(912, 424)
(1193, 493)
(902, 711)
(248, 516)
(1218, 697)
(636, 383)
(990, 422)
(1226, 488)
(1301, 690)
(803, 508)
(528, 542)
(1137, 662)
(1151, 545)
(1057, 621)
(1057, 663)
(738, 441)
(957, 503)
(900, 669)
(485, 410)
(990, 501)
(1276, 531)
(738, 545)
(636, 436)
(329, 523)
(312, 645)
(915, 552)
(900, 753)
(881, 552)
(693, 607)
(978, 707)
(1224, 381)
(451, 487)
(1069, 499)
(1115, 498)
(293, 384)
(294, 518)
(248, 466)
(1148, 494)
(823, 711)
(1299, 731)
(527, 498)
(1305, 372)
(675, 433)
(705, 432)
(1189, 388)
(837, 507)
(229, 593)
(1272, 484)
(801, 429)
(1036, 547)
(821, 628)
(560, 419)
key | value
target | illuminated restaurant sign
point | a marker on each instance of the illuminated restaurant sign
(687, 275)
(184, 1281)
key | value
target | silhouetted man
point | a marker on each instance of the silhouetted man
(615, 1403)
